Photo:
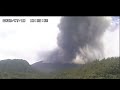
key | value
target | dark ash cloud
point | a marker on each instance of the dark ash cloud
(79, 36)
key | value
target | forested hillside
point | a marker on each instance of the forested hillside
(15, 65)
(104, 69)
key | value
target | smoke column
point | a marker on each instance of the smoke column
(79, 39)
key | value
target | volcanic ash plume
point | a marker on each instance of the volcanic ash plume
(79, 39)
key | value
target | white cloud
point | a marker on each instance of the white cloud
(111, 43)
(24, 40)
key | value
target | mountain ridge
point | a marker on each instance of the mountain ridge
(104, 69)
(17, 65)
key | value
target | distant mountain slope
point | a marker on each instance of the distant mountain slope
(15, 65)
(50, 67)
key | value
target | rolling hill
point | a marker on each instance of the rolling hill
(105, 69)
(20, 69)
(15, 65)
(53, 67)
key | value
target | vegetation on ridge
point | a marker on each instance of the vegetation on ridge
(105, 69)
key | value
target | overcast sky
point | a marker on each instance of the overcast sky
(25, 40)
